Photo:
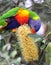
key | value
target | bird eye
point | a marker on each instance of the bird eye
(34, 26)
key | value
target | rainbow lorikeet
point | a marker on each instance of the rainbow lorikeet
(20, 16)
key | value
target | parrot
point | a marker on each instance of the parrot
(19, 16)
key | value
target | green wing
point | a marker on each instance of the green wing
(10, 13)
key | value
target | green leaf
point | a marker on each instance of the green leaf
(16, 61)
(35, 37)
(5, 55)
(48, 28)
(48, 34)
(44, 41)
(13, 53)
(4, 47)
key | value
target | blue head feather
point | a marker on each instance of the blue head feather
(35, 24)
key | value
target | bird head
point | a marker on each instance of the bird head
(34, 25)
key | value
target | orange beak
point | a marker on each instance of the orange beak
(32, 31)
